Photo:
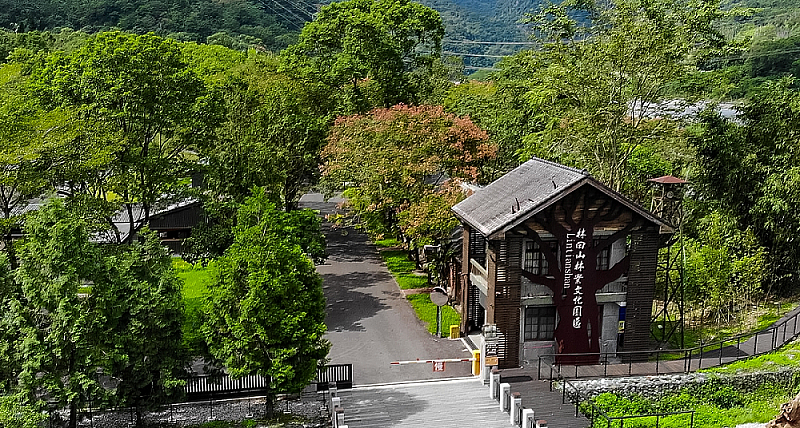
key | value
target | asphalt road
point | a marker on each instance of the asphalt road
(370, 323)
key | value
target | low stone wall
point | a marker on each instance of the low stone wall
(656, 386)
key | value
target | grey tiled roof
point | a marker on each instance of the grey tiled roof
(513, 195)
(534, 184)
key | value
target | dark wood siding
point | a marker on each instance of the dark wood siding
(477, 247)
(465, 284)
(507, 299)
(641, 287)
(180, 218)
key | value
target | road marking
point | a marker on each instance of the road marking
(417, 382)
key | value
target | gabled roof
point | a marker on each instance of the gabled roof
(527, 189)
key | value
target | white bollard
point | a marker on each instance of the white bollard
(516, 408)
(528, 419)
(505, 394)
(494, 379)
(339, 420)
(332, 393)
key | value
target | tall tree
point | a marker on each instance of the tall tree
(365, 49)
(392, 157)
(265, 311)
(749, 168)
(596, 89)
(141, 101)
(21, 175)
(276, 126)
(144, 314)
(59, 327)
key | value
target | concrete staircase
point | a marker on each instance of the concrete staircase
(457, 403)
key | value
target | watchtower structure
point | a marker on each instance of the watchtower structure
(667, 203)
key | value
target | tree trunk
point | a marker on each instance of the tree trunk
(8, 243)
(73, 414)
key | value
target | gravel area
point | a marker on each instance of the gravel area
(307, 411)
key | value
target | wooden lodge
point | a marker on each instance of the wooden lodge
(559, 263)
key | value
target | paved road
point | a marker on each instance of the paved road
(370, 323)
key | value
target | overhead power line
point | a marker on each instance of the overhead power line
(475, 55)
(476, 42)
(468, 67)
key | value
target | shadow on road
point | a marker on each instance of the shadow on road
(346, 305)
(348, 245)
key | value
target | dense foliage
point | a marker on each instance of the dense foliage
(394, 158)
(79, 311)
(265, 312)
(234, 23)
(116, 124)
(715, 403)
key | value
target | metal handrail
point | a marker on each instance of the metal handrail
(775, 332)
(658, 416)
(577, 397)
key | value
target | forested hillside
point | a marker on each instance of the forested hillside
(234, 23)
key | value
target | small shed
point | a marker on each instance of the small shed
(560, 263)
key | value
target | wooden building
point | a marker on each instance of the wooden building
(560, 263)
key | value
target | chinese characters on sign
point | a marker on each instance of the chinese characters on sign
(438, 366)
(574, 264)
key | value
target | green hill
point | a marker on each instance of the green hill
(241, 21)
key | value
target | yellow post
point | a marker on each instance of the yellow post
(455, 332)
(476, 365)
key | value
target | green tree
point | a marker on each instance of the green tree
(725, 267)
(21, 175)
(10, 363)
(430, 221)
(265, 311)
(499, 107)
(749, 168)
(596, 89)
(59, 328)
(394, 157)
(365, 49)
(138, 99)
(144, 313)
(275, 128)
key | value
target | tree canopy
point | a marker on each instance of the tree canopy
(145, 107)
(265, 312)
(365, 49)
(390, 158)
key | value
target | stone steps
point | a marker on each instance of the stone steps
(458, 403)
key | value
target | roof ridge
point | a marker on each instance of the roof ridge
(584, 171)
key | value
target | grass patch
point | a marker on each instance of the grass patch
(195, 279)
(715, 405)
(786, 357)
(426, 311)
(387, 243)
(403, 269)
(195, 284)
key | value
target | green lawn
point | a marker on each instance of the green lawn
(426, 311)
(403, 270)
(195, 284)
(195, 279)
